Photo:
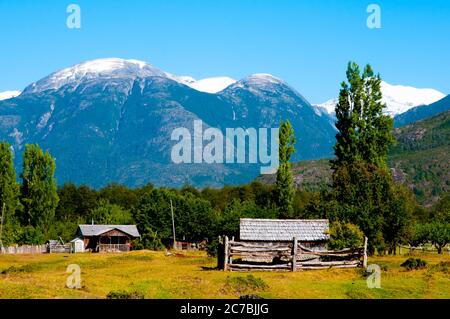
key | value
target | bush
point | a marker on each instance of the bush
(150, 240)
(212, 247)
(20, 269)
(414, 264)
(245, 284)
(443, 266)
(345, 235)
(121, 294)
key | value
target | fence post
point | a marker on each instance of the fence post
(365, 253)
(225, 262)
(294, 255)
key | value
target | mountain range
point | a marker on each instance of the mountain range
(110, 120)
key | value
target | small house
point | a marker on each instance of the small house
(107, 238)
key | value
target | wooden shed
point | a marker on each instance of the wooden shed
(77, 245)
(311, 233)
(285, 244)
(107, 238)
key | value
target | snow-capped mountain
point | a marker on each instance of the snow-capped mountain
(398, 98)
(110, 68)
(9, 95)
(111, 120)
(115, 68)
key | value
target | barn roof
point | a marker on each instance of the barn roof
(96, 230)
(283, 229)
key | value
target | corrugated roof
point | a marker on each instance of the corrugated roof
(283, 229)
(96, 230)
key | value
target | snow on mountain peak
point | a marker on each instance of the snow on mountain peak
(398, 98)
(122, 68)
(259, 81)
(104, 65)
(211, 85)
(8, 95)
(263, 78)
(100, 68)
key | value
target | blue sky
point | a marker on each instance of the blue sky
(306, 43)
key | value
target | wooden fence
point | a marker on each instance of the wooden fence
(402, 249)
(285, 256)
(59, 248)
(25, 249)
(110, 248)
(37, 249)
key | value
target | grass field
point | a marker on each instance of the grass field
(192, 275)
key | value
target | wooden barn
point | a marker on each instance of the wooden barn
(284, 244)
(107, 238)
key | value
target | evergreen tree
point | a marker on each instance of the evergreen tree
(362, 183)
(39, 193)
(9, 194)
(284, 187)
(364, 132)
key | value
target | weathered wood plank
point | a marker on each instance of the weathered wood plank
(249, 266)
(225, 263)
(329, 263)
(365, 253)
(326, 267)
(246, 249)
(294, 255)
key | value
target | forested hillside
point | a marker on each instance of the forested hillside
(420, 159)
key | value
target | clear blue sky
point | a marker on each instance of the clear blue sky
(307, 43)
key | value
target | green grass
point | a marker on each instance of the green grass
(192, 275)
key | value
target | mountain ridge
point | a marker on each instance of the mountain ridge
(105, 125)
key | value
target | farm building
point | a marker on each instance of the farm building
(311, 233)
(284, 244)
(106, 238)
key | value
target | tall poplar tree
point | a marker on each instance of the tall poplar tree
(362, 183)
(39, 192)
(9, 193)
(284, 187)
(364, 132)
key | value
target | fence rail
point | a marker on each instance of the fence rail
(287, 256)
(25, 249)
(113, 247)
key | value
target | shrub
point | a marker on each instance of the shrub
(246, 284)
(121, 294)
(345, 235)
(212, 247)
(20, 269)
(414, 264)
(443, 266)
